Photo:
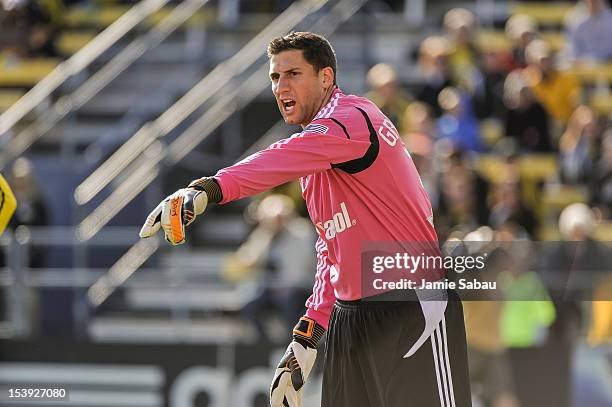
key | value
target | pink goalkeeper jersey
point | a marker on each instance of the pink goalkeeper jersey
(359, 184)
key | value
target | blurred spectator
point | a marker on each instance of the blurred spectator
(31, 211)
(463, 196)
(463, 54)
(387, 94)
(276, 248)
(29, 28)
(600, 330)
(490, 370)
(556, 90)
(528, 311)
(417, 119)
(458, 122)
(479, 73)
(573, 267)
(487, 94)
(526, 120)
(527, 317)
(436, 71)
(507, 206)
(31, 208)
(601, 178)
(521, 30)
(577, 146)
(588, 29)
(418, 136)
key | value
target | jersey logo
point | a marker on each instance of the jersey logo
(316, 128)
(339, 222)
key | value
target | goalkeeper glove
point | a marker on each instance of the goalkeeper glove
(180, 209)
(296, 364)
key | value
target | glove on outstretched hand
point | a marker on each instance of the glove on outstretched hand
(174, 213)
(296, 364)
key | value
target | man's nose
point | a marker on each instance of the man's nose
(282, 85)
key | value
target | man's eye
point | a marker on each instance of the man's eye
(295, 73)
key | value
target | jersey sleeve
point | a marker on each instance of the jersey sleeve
(319, 305)
(317, 148)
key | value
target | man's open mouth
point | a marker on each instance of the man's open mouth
(288, 105)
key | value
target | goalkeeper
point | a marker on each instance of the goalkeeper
(360, 185)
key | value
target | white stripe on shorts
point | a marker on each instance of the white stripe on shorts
(439, 347)
(434, 351)
(451, 388)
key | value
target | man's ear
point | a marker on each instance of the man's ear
(327, 75)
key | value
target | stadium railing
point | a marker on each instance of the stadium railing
(175, 290)
(78, 62)
(215, 82)
(98, 81)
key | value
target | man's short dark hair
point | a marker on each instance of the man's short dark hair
(317, 51)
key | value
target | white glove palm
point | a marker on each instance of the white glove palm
(174, 213)
(291, 374)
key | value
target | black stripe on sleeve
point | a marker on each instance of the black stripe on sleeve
(362, 163)
(342, 126)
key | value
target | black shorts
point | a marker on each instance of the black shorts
(364, 363)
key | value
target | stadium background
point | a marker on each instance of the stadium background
(109, 105)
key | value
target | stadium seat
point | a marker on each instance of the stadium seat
(101, 17)
(8, 97)
(533, 167)
(90, 17)
(70, 42)
(602, 104)
(593, 73)
(550, 13)
(27, 73)
(200, 18)
(603, 232)
(496, 40)
(555, 198)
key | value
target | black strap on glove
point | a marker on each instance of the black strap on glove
(308, 332)
(210, 186)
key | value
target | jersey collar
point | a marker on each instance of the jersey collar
(333, 101)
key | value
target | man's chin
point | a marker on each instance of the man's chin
(291, 120)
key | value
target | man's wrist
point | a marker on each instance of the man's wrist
(308, 332)
(210, 186)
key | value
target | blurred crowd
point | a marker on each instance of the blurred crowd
(474, 101)
(514, 108)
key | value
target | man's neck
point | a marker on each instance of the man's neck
(325, 101)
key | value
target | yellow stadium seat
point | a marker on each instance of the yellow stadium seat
(200, 18)
(553, 201)
(538, 166)
(602, 104)
(8, 97)
(592, 73)
(490, 167)
(497, 41)
(493, 40)
(94, 17)
(28, 72)
(544, 13)
(550, 232)
(103, 16)
(70, 42)
(604, 231)
(533, 167)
